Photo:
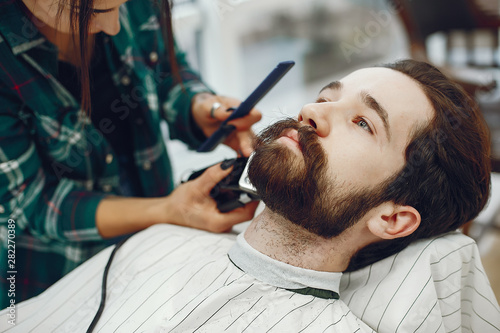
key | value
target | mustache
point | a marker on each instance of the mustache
(307, 134)
(315, 157)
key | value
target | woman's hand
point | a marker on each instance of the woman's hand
(191, 205)
(241, 139)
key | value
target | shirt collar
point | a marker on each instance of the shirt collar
(280, 274)
(16, 28)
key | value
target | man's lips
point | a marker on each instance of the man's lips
(290, 137)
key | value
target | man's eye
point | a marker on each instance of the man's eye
(321, 100)
(361, 122)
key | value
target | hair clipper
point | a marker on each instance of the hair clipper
(235, 190)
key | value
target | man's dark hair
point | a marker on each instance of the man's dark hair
(446, 176)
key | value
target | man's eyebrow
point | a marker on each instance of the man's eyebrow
(372, 103)
(334, 85)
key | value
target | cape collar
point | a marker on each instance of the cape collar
(282, 275)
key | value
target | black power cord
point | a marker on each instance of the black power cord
(103, 289)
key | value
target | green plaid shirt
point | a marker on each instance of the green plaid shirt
(55, 166)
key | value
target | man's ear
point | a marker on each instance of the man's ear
(394, 221)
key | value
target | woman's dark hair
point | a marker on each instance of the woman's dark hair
(446, 176)
(80, 19)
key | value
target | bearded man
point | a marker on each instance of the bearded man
(369, 183)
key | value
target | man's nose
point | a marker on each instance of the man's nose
(109, 23)
(314, 114)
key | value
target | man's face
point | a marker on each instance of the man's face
(326, 171)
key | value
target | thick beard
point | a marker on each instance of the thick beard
(299, 189)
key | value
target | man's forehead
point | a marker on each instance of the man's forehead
(371, 76)
(388, 86)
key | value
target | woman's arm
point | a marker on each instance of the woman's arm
(189, 205)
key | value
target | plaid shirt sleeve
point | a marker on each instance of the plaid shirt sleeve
(140, 28)
(177, 103)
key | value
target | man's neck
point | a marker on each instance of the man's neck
(280, 239)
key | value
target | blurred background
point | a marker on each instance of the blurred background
(234, 44)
